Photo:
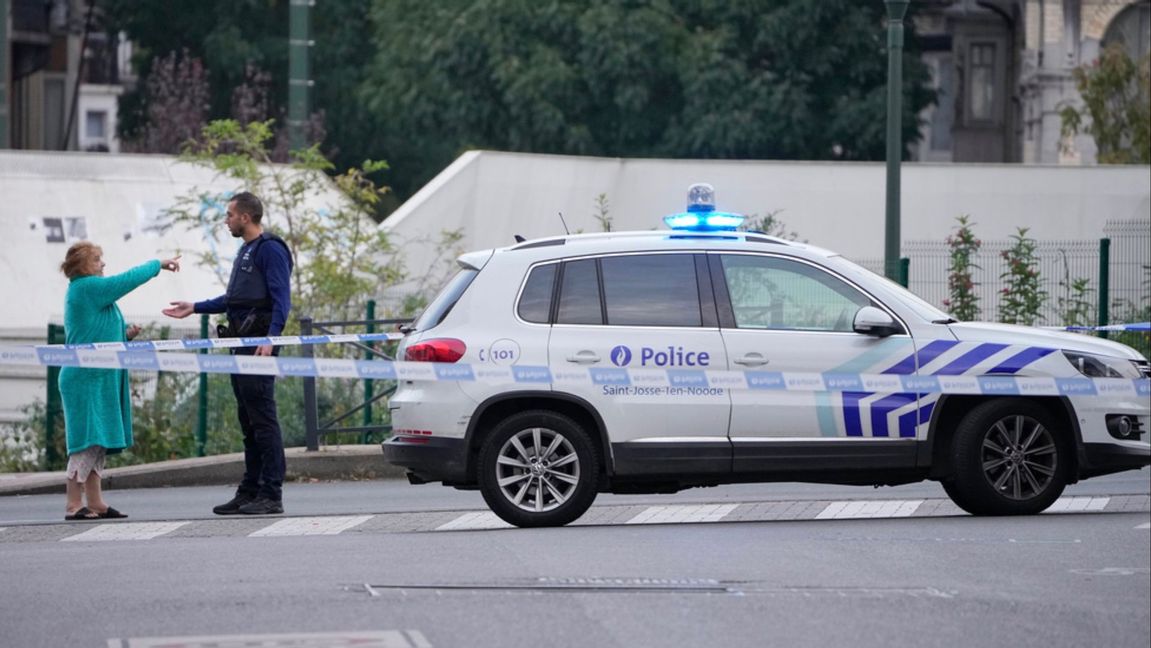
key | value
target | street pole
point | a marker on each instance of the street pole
(895, 12)
(299, 83)
(4, 74)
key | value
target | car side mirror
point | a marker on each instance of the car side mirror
(870, 320)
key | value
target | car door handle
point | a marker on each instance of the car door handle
(751, 360)
(584, 357)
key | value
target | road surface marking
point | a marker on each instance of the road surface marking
(477, 520)
(328, 525)
(849, 510)
(1145, 525)
(1077, 504)
(684, 513)
(125, 531)
(418, 639)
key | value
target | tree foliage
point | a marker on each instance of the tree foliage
(1116, 110)
(780, 79)
(242, 46)
(420, 82)
(341, 258)
(177, 105)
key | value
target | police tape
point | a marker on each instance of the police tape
(1137, 326)
(613, 380)
(228, 343)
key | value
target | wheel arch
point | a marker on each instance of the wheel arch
(950, 408)
(498, 407)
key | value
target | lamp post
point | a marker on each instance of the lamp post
(895, 12)
(299, 75)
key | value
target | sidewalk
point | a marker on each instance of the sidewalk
(332, 463)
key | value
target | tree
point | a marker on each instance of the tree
(241, 43)
(780, 79)
(1116, 93)
(177, 105)
(341, 258)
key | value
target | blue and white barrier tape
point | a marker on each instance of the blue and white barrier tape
(227, 343)
(1137, 326)
(637, 382)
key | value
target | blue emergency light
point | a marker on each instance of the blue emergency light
(701, 215)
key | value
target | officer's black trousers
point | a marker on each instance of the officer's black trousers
(264, 463)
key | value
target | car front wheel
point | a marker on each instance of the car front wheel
(538, 468)
(1009, 459)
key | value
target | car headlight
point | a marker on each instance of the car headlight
(1094, 366)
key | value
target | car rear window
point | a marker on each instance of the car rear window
(445, 300)
(536, 299)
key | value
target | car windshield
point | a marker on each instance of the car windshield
(916, 303)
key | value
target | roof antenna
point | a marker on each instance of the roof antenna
(519, 239)
(566, 231)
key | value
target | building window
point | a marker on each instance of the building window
(982, 85)
(943, 118)
(96, 124)
(1131, 30)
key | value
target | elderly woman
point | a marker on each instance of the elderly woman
(97, 406)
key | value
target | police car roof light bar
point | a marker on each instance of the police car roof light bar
(701, 215)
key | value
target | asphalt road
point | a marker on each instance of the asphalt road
(1057, 579)
(394, 496)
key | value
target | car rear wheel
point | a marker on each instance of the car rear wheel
(1010, 459)
(538, 468)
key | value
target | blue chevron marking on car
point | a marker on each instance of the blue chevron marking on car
(967, 361)
(921, 357)
(882, 407)
(824, 401)
(1017, 362)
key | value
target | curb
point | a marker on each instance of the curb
(333, 463)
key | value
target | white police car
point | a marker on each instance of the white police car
(645, 362)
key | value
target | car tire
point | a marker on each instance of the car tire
(1009, 458)
(538, 468)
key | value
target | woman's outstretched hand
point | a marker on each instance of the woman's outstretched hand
(171, 265)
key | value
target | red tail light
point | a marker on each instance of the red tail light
(436, 350)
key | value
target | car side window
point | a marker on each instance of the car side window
(579, 294)
(536, 300)
(772, 293)
(651, 290)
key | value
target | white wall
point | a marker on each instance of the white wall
(114, 201)
(492, 196)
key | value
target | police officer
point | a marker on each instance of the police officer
(256, 303)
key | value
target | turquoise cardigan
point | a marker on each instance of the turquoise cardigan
(97, 402)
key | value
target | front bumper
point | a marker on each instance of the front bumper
(431, 459)
(1106, 458)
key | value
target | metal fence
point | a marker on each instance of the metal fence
(1060, 263)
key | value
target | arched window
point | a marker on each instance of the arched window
(1131, 29)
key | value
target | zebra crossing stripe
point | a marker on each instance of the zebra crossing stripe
(850, 510)
(1144, 526)
(476, 520)
(682, 514)
(125, 531)
(305, 526)
(1078, 504)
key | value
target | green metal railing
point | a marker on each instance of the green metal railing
(313, 428)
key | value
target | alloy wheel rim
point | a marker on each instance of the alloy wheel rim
(537, 470)
(1019, 457)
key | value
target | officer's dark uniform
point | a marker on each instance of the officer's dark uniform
(249, 305)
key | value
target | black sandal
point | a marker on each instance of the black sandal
(82, 513)
(111, 514)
